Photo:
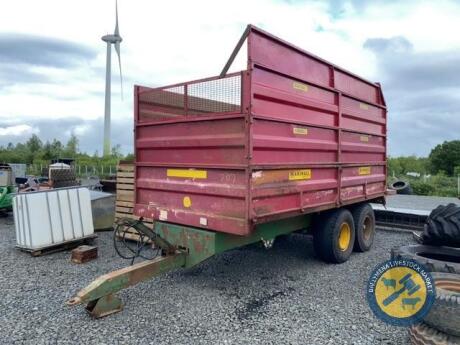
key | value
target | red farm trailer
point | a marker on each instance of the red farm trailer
(292, 142)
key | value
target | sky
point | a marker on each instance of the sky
(52, 59)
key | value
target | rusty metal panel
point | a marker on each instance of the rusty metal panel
(292, 134)
(364, 181)
(207, 198)
(292, 190)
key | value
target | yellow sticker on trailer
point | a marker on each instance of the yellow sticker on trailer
(300, 130)
(187, 173)
(364, 170)
(364, 138)
(299, 86)
(304, 174)
(363, 106)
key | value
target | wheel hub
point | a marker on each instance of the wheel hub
(367, 228)
(344, 236)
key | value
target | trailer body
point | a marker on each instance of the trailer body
(246, 157)
(293, 134)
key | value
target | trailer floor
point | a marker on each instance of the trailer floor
(245, 296)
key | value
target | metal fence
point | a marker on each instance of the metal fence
(80, 170)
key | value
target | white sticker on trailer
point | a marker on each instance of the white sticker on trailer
(163, 215)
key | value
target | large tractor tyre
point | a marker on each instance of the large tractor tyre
(401, 187)
(334, 236)
(435, 259)
(364, 219)
(444, 315)
(422, 334)
(442, 227)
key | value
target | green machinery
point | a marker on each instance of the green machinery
(7, 188)
(181, 247)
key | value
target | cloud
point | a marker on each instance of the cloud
(18, 130)
(55, 81)
(394, 45)
(42, 51)
(405, 68)
(421, 89)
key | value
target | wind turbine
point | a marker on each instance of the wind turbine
(116, 40)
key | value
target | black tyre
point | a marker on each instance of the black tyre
(334, 236)
(444, 315)
(435, 259)
(364, 219)
(442, 227)
(422, 334)
(401, 187)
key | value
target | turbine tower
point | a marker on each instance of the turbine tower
(116, 40)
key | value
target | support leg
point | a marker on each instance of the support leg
(106, 305)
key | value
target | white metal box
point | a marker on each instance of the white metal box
(48, 218)
(6, 177)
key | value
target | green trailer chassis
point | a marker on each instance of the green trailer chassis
(182, 247)
(6, 198)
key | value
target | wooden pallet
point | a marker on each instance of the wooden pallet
(124, 205)
(58, 247)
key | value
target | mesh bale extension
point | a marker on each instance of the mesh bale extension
(194, 98)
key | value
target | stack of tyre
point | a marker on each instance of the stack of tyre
(439, 252)
(63, 178)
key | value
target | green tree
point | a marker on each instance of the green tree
(116, 152)
(445, 157)
(457, 171)
(47, 152)
(71, 148)
(34, 144)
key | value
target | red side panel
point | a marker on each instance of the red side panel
(292, 134)
(319, 132)
(206, 198)
(268, 51)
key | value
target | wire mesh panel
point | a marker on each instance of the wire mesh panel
(195, 98)
(162, 104)
(215, 96)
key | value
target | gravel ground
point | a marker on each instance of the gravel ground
(244, 296)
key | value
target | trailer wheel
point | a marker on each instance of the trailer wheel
(334, 236)
(364, 218)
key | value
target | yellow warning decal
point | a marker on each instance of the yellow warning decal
(363, 106)
(299, 86)
(187, 201)
(300, 130)
(364, 170)
(364, 138)
(304, 174)
(187, 173)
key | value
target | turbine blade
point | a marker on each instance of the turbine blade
(117, 48)
(116, 33)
